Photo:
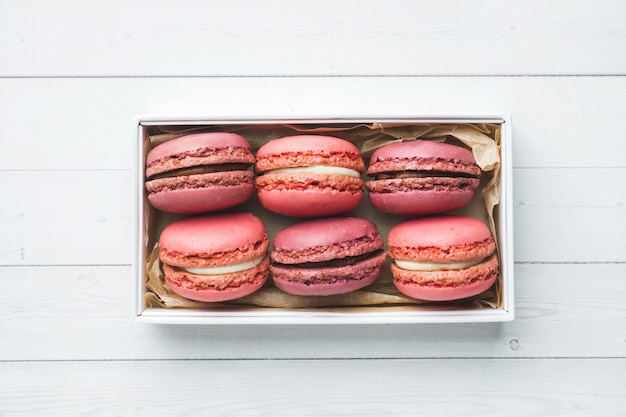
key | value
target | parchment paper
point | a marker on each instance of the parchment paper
(483, 139)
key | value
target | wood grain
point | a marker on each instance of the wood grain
(484, 387)
(73, 78)
(67, 217)
(450, 37)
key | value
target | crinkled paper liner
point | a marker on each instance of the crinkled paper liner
(484, 140)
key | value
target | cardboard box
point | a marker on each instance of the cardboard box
(498, 304)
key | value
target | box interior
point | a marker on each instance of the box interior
(380, 302)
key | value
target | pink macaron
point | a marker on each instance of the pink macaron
(216, 257)
(199, 173)
(422, 177)
(327, 256)
(309, 176)
(442, 258)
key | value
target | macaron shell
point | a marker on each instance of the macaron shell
(418, 155)
(201, 193)
(309, 182)
(325, 239)
(215, 296)
(438, 231)
(329, 280)
(322, 289)
(198, 149)
(443, 293)
(213, 240)
(305, 143)
(200, 200)
(308, 150)
(420, 202)
(309, 203)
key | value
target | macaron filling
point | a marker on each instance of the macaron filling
(338, 262)
(435, 266)
(420, 174)
(202, 169)
(317, 169)
(226, 269)
(310, 280)
(484, 271)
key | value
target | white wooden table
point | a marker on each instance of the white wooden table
(73, 75)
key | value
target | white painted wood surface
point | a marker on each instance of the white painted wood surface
(74, 75)
(326, 37)
(358, 387)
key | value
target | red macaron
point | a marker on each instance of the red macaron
(309, 176)
(327, 256)
(422, 177)
(199, 173)
(215, 258)
(442, 258)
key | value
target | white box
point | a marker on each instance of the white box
(147, 229)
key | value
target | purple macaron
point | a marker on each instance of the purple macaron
(327, 256)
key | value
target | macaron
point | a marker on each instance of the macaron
(327, 256)
(422, 177)
(215, 258)
(309, 175)
(199, 173)
(442, 258)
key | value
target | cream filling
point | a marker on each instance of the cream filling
(435, 266)
(227, 269)
(317, 169)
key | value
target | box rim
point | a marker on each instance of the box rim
(506, 180)
(276, 316)
(153, 120)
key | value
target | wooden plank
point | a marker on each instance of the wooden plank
(86, 217)
(449, 37)
(84, 313)
(86, 124)
(565, 215)
(309, 388)
(67, 217)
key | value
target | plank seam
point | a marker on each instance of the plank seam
(426, 358)
(512, 75)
